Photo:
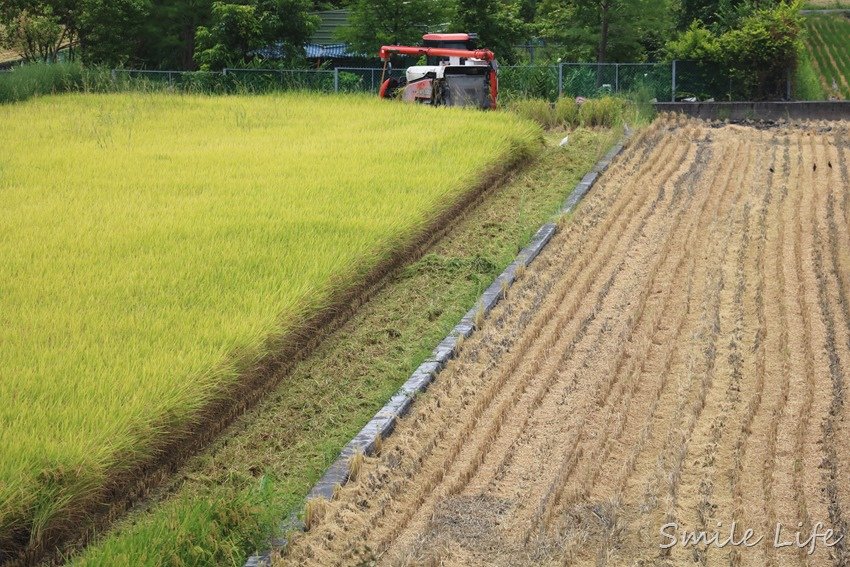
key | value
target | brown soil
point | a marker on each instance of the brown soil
(676, 354)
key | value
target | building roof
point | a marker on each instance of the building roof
(314, 51)
(331, 21)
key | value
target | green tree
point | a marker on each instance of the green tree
(763, 50)
(287, 24)
(374, 23)
(236, 31)
(34, 32)
(606, 30)
(498, 24)
(29, 18)
(719, 15)
(757, 55)
(167, 35)
(109, 30)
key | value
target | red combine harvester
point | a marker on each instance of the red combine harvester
(455, 74)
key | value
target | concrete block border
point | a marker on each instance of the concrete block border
(399, 404)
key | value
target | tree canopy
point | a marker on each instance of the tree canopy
(211, 34)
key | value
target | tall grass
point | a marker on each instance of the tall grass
(606, 112)
(154, 246)
(39, 79)
(807, 84)
(35, 79)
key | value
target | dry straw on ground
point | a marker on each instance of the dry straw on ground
(676, 354)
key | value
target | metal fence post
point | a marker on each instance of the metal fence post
(673, 95)
(560, 80)
(336, 79)
(616, 77)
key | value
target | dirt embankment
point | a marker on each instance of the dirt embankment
(677, 355)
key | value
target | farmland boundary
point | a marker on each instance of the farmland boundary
(383, 422)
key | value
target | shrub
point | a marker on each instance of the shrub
(756, 54)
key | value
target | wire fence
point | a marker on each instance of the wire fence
(672, 81)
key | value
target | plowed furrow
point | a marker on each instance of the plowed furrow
(829, 294)
(745, 478)
(613, 421)
(553, 402)
(555, 329)
(688, 491)
(604, 480)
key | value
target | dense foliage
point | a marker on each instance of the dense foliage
(754, 46)
(211, 34)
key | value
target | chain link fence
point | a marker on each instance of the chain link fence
(705, 81)
(673, 81)
(318, 80)
(363, 79)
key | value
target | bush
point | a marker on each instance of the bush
(40, 79)
(756, 54)
(605, 112)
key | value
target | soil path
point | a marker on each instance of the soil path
(678, 354)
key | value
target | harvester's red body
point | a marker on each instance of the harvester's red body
(454, 75)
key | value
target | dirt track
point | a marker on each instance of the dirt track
(677, 354)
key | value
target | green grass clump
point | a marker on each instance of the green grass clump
(27, 81)
(807, 84)
(607, 112)
(536, 109)
(207, 531)
(566, 111)
(156, 246)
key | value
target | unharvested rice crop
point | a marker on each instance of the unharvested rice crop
(828, 42)
(153, 245)
(677, 356)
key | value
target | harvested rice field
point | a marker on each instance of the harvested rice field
(674, 361)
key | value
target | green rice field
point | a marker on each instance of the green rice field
(828, 42)
(154, 246)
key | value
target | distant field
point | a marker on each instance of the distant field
(828, 42)
(153, 244)
(826, 4)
